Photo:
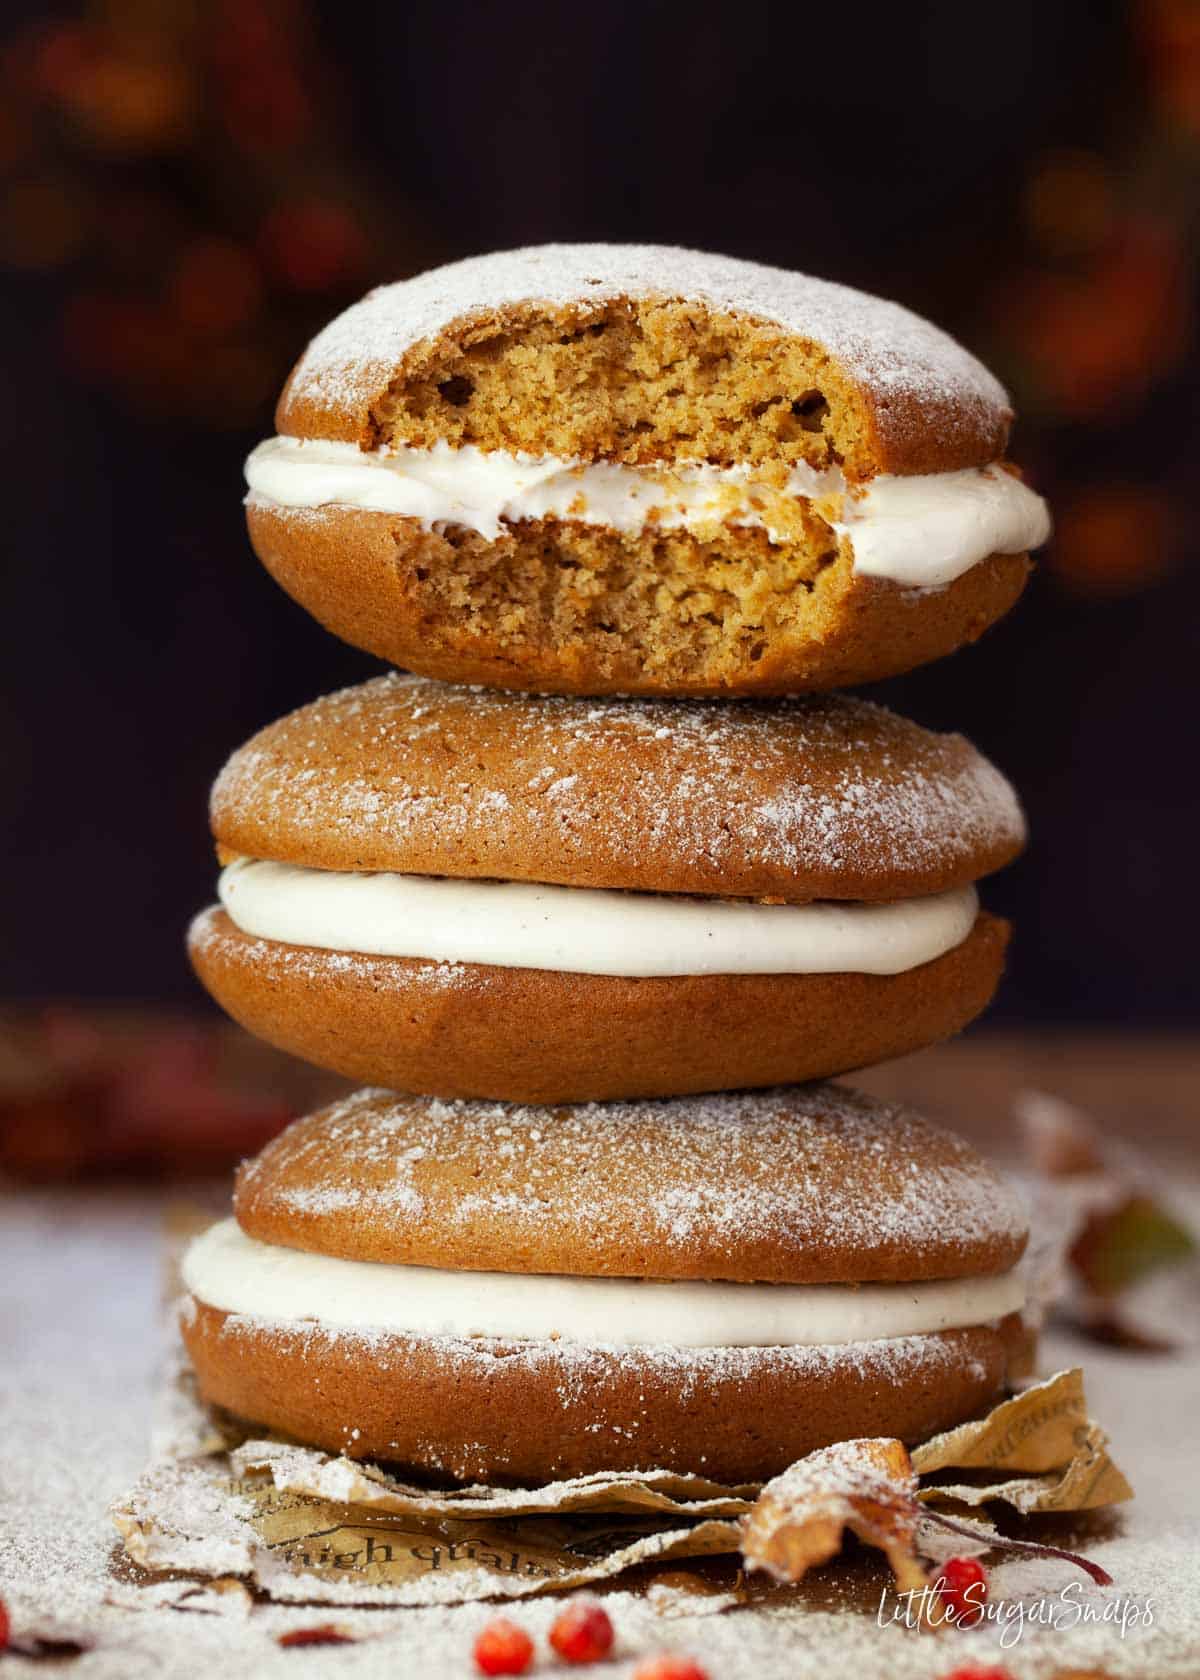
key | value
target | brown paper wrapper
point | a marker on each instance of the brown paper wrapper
(304, 1470)
(298, 1549)
(303, 1526)
(1045, 1434)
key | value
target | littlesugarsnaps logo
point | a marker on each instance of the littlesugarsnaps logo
(923, 1607)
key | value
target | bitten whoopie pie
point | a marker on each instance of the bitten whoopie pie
(484, 894)
(605, 468)
(501, 1293)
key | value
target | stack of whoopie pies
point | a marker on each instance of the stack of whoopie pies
(592, 930)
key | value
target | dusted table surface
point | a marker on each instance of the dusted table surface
(81, 1281)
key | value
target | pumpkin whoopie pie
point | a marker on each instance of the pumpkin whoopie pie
(635, 469)
(717, 1284)
(485, 894)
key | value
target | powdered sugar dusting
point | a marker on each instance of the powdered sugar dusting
(800, 1184)
(321, 1199)
(839, 1470)
(571, 1370)
(316, 966)
(896, 353)
(833, 795)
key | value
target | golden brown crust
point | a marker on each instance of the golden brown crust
(561, 608)
(829, 798)
(529, 1413)
(529, 1035)
(812, 1184)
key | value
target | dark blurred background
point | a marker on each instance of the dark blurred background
(188, 190)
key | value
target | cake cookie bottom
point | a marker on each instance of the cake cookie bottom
(557, 607)
(485, 1409)
(535, 1035)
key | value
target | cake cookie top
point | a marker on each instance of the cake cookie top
(829, 797)
(803, 1184)
(638, 353)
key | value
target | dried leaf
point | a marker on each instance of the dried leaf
(1113, 1226)
(1104, 1323)
(1062, 1141)
(1119, 1248)
(52, 1647)
(800, 1519)
(324, 1634)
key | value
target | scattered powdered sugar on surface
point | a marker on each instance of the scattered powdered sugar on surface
(217, 1517)
(793, 1172)
(807, 787)
(890, 349)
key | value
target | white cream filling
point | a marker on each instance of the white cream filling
(921, 532)
(233, 1272)
(582, 930)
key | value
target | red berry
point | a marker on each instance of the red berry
(977, 1671)
(5, 1625)
(503, 1648)
(583, 1632)
(669, 1668)
(962, 1585)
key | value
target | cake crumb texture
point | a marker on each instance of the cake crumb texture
(638, 353)
(564, 607)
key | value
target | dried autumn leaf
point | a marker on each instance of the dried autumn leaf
(1117, 1249)
(49, 1647)
(1120, 1229)
(800, 1519)
(1061, 1141)
(1102, 1322)
(324, 1634)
